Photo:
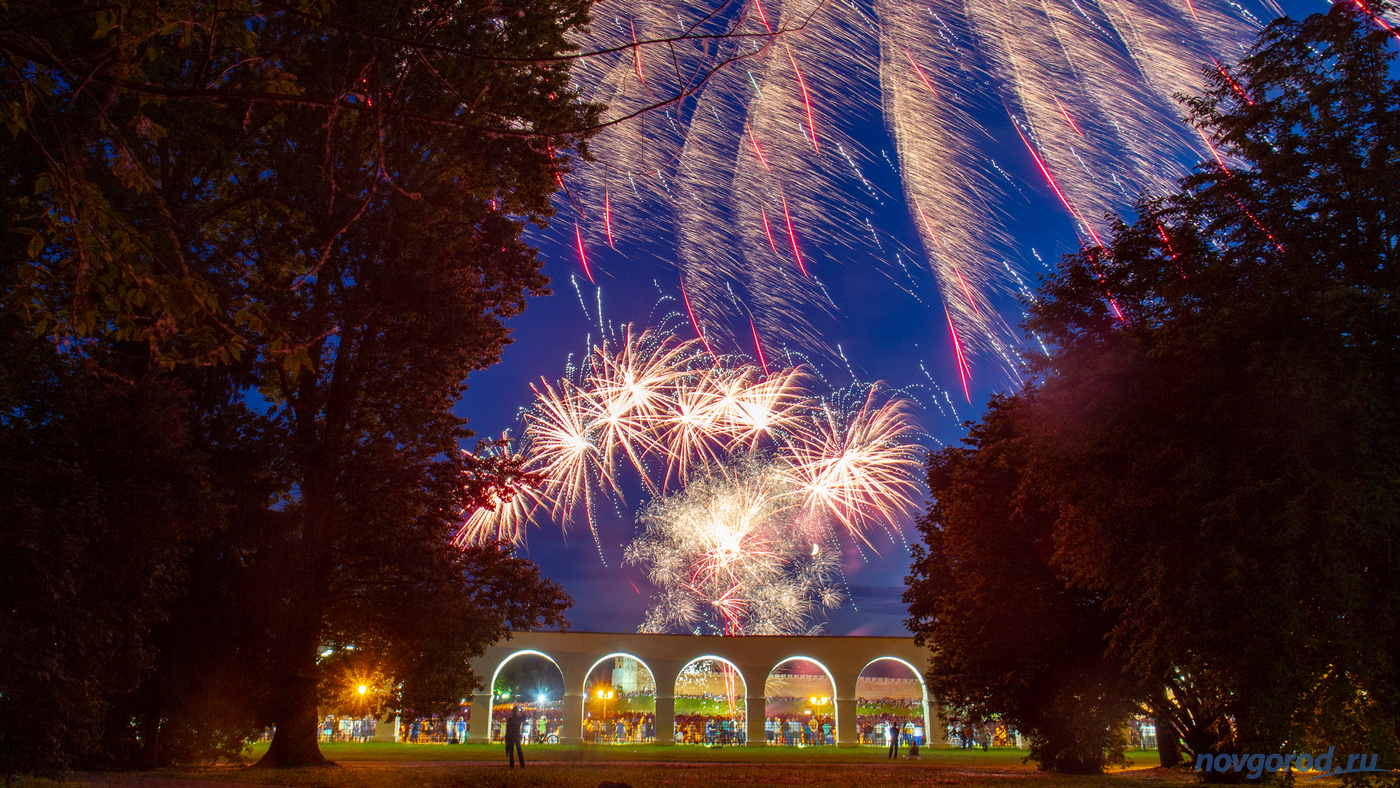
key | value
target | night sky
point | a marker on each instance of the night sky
(889, 327)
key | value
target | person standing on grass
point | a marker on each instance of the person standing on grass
(893, 730)
(513, 738)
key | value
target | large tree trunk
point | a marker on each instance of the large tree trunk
(309, 572)
(296, 675)
(294, 742)
(1168, 748)
(1164, 715)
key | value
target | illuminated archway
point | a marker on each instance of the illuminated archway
(892, 699)
(534, 681)
(619, 700)
(800, 703)
(710, 706)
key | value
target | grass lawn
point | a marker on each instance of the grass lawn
(345, 753)
(409, 766)
(386, 765)
(647, 775)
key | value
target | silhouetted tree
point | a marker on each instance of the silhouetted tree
(1010, 638)
(1213, 430)
(310, 215)
(101, 495)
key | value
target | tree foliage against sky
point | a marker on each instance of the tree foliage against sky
(102, 493)
(1011, 639)
(307, 217)
(186, 160)
(1213, 432)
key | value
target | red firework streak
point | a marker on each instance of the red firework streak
(637, 53)
(792, 236)
(929, 227)
(769, 231)
(762, 16)
(607, 216)
(758, 346)
(1221, 163)
(1051, 180)
(1375, 17)
(1239, 91)
(964, 371)
(582, 256)
(759, 151)
(920, 72)
(695, 323)
(1193, 10)
(1068, 119)
(806, 101)
(1048, 177)
(558, 177)
(1162, 231)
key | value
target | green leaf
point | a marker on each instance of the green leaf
(106, 20)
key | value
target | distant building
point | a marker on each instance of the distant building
(628, 676)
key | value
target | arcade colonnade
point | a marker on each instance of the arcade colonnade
(577, 653)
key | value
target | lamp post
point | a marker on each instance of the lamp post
(605, 695)
(819, 701)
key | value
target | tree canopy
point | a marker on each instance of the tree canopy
(1212, 433)
(303, 221)
(1011, 639)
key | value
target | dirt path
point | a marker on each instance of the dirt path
(139, 780)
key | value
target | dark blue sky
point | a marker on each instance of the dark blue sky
(883, 332)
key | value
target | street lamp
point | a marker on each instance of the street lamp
(605, 695)
(819, 701)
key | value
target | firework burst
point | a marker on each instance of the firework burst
(731, 551)
(761, 176)
(751, 477)
(857, 465)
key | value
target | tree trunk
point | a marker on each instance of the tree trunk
(308, 573)
(1164, 714)
(295, 673)
(294, 743)
(1168, 748)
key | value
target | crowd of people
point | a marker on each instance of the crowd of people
(537, 725)
(628, 727)
(886, 729)
(542, 725)
(982, 736)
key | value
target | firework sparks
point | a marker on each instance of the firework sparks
(859, 466)
(765, 474)
(731, 551)
(742, 161)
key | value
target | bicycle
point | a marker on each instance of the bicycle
(722, 738)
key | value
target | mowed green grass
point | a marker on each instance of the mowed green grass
(392, 766)
(346, 753)
(678, 775)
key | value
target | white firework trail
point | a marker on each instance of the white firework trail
(753, 181)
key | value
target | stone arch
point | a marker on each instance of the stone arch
(787, 725)
(636, 711)
(925, 724)
(496, 673)
(548, 710)
(701, 706)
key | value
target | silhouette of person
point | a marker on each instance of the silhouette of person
(513, 737)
